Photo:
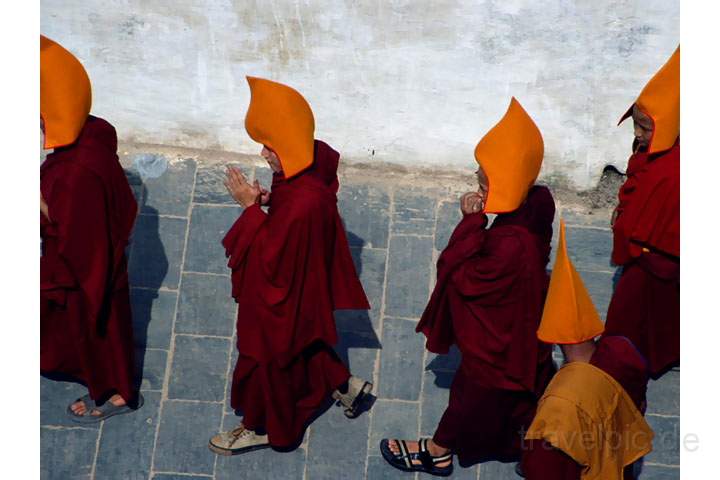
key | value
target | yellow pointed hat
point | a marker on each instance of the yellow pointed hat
(281, 119)
(511, 154)
(569, 316)
(65, 94)
(660, 100)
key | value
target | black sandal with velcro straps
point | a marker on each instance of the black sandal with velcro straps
(403, 460)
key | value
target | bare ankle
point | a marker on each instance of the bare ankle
(436, 450)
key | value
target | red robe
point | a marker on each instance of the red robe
(85, 320)
(291, 268)
(488, 300)
(646, 241)
(617, 357)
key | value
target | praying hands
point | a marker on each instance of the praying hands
(242, 191)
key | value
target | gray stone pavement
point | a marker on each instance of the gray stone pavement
(184, 325)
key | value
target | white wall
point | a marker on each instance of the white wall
(415, 82)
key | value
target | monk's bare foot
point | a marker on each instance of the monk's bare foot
(79, 408)
(413, 447)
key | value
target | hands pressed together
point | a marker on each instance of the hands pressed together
(242, 191)
(472, 202)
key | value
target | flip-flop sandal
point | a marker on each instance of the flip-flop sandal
(403, 460)
(106, 410)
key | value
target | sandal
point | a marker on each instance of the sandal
(358, 389)
(403, 460)
(107, 410)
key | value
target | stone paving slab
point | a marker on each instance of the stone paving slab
(184, 321)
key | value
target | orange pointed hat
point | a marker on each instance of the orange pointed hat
(660, 100)
(569, 316)
(65, 94)
(510, 154)
(281, 119)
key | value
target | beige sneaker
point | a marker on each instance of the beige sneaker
(239, 440)
(357, 390)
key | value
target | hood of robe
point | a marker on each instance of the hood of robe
(280, 118)
(65, 94)
(660, 100)
(511, 155)
(569, 315)
(588, 415)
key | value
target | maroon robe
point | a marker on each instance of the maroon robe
(85, 320)
(646, 241)
(617, 357)
(291, 268)
(488, 300)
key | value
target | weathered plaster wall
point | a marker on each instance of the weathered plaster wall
(404, 81)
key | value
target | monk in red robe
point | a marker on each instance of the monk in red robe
(645, 306)
(87, 214)
(488, 300)
(291, 268)
(599, 393)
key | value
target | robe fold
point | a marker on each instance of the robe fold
(489, 297)
(645, 306)
(291, 268)
(86, 325)
(617, 357)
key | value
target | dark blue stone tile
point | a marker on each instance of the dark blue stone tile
(460, 472)
(158, 244)
(657, 472)
(127, 442)
(153, 313)
(131, 173)
(666, 444)
(260, 464)
(449, 216)
(55, 396)
(413, 214)
(152, 365)
(337, 446)
(401, 360)
(392, 419)
(600, 287)
(208, 227)
(589, 248)
(408, 276)
(185, 428)
(379, 469)
(172, 476)
(663, 395)
(169, 194)
(233, 360)
(498, 471)
(449, 362)
(67, 453)
(206, 306)
(358, 351)
(264, 176)
(365, 210)
(435, 396)
(210, 186)
(370, 265)
(139, 194)
(199, 368)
